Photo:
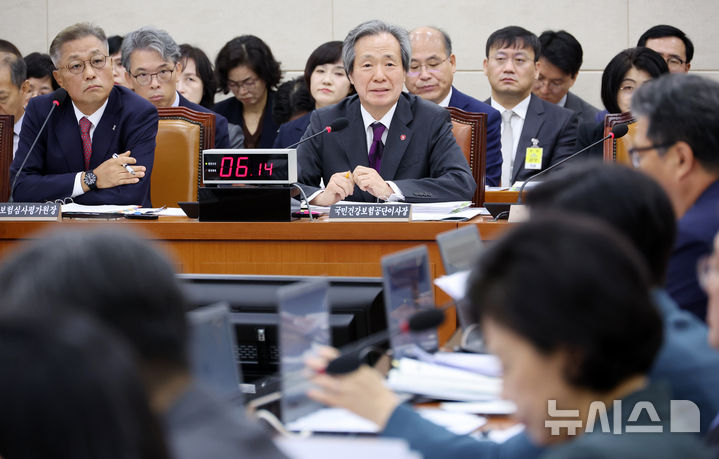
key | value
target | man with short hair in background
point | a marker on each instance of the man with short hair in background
(673, 45)
(151, 60)
(431, 75)
(13, 91)
(559, 62)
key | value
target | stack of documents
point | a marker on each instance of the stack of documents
(442, 382)
(453, 211)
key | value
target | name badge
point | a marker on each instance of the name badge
(533, 157)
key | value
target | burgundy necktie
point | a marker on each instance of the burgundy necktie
(375, 151)
(85, 126)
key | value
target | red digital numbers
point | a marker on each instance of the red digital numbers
(226, 172)
(241, 170)
(268, 169)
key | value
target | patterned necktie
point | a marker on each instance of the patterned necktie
(507, 147)
(85, 126)
(375, 151)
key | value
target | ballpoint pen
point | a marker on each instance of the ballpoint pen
(126, 166)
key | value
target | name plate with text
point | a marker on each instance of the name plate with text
(371, 212)
(29, 211)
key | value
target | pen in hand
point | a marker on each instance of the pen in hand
(126, 166)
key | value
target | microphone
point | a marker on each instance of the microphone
(618, 131)
(58, 97)
(351, 360)
(336, 125)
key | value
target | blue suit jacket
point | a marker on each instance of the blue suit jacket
(467, 103)
(232, 110)
(420, 155)
(222, 135)
(695, 236)
(292, 131)
(128, 123)
(685, 361)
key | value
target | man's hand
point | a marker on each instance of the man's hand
(339, 187)
(112, 172)
(369, 180)
(362, 391)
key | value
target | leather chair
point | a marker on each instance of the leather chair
(181, 136)
(7, 124)
(470, 131)
(616, 150)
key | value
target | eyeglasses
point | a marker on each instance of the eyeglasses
(238, 85)
(706, 268)
(97, 62)
(432, 66)
(553, 85)
(673, 61)
(145, 79)
(634, 151)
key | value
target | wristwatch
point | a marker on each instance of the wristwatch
(90, 180)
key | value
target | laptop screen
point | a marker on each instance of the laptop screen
(459, 248)
(407, 290)
(304, 325)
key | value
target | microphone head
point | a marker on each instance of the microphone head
(338, 124)
(426, 320)
(58, 97)
(620, 130)
(346, 363)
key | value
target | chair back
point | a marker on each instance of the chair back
(616, 150)
(470, 131)
(7, 125)
(181, 136)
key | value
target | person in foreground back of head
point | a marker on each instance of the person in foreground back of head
(559, 300)
(71, 390)
(676, 142)
(641, 211)
(132, 288)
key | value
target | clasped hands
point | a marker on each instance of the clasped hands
(112, 172)
(342, 184)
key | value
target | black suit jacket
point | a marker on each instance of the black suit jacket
(586, 112)
(555, 128)
(222, 135)
(232, 110)
(128, 123)
(420, 155)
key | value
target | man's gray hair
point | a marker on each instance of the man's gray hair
(18, 69)
(72, 33)
(152, 38)
(375, 27)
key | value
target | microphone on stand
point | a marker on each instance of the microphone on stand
(58, 98)
(334, 126)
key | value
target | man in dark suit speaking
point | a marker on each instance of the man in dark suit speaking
(73, 156)
(397, 147)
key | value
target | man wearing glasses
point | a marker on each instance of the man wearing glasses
(676, 141)
(673, 45)
(535, 133)
(430, 76)
(73, 157)
(151, 58)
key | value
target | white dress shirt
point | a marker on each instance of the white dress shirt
(94, 119)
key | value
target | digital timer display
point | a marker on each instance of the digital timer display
(256, 166)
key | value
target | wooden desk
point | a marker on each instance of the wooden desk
(501, 196)
(320, 248)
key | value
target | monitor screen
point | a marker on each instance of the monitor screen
(304, 325)
(459, 248)
(408, 289)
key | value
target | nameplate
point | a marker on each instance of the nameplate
(372, 212)
(29, 211)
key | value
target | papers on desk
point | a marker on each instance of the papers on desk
(103, 209)
(448, 211)
(488, 407)
(454, 285)
(345, 447)
(442, 382)
(483, 364)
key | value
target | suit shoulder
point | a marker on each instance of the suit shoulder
(555, 110)
(199, 108)
(422, 106)
(132, 101)
(298, 123)
(470, 104)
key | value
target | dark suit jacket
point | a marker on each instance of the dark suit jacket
(586, 112)
(128, 123)
(555, 128)
(222, 136)
(587, 134)
(695, 236)
(292, 131)
(232, 110)
(494, 132)
(420, 155)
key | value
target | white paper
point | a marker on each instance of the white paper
(172, 212)
(102, 209)
(484, 364)
(488, 407)
(335, 420)
(456, 422)
(454, 285)
(345, 447)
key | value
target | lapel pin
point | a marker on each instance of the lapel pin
(402, 137)
(114, 126)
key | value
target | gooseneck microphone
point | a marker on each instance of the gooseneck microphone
(58, 97)
(618, 131)
(334, 126)
(350, 360)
